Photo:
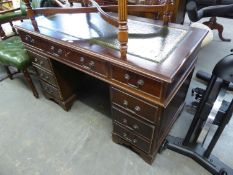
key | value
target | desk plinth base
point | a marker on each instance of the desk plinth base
(66, 104)
(146, 157)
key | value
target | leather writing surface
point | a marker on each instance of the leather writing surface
(148, 41)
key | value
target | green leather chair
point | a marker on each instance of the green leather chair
(12, 50)
(20, 13)
(13, 53)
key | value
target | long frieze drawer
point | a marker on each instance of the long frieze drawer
(135, 125)
(40, 61)
(131, 138)
(139, 82)
(48, 77)
(134, 105)
(86, 63)
(51, 90)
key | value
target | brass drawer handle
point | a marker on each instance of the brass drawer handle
(135, 126)
(125, 121)
(139, 83)
(129, 140)
(127, 77)
(89, 66)
(44, 76)
(54, 53)
(125, 103)
(137, 108)
(135, 141)
(92, 64)
(59, 52)
(82, 59)
(29, 39)
(41, 63)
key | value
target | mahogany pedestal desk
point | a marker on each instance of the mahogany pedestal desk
(147, 89)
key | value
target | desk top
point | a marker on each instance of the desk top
(153, 50)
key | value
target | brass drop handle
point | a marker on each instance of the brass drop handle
(135, 141)
(137, 108)
(43, 76)
(29, 39)
(35, 59)
(59, 52)
(135, 126)
(127, 77)
(82, 59)
(125, 121)
(32, 41)
(140, 82)
(41, 63)
(125, 103)
(125, 135)
(92, 63)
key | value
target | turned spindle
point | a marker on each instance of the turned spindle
(167, 14)
(123, 28)
(31, 15)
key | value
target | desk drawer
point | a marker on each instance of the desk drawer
(48, 77)
(139, 127)
(131, 138)
(134, 105)
(136, 81)
(54, 92)
(88, 64)
(66, 54)
(40, 61)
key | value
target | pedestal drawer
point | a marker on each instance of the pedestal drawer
(134, 105)
(137, 126)
(40, 61)
(136, 81)
(51, 90)
(48, 77)
(131, 138)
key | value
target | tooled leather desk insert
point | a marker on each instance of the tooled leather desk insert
(147, 89)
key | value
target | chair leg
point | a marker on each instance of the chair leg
(212, 24)
(30, 83)
(8, 72)
(12, 27)
(2, 33)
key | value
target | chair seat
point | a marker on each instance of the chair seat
(13, 53)
(10, 15)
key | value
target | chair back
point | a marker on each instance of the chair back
(224, 69)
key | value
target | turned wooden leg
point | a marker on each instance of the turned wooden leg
(212, 24)
(8, 72)
(2, 33)
(30, 83)
(12, 27)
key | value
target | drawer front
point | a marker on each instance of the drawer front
(88, 64)
(48, 77)
(40, 61)
(137, 82)
(134, 105)
(131, 138)
(59, 51)
(51, 90)
(133, 124)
